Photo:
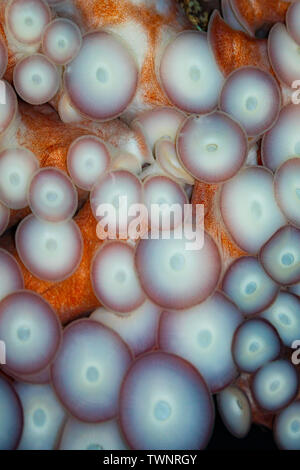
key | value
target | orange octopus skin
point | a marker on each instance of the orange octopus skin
(129, 20)
(12, 57)
(258, 416)
(257, 14)
(208, 195)
(234, 49)
(73, 297)
(40, 130)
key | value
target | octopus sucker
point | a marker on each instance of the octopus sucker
(253, 98)
(149, 224)
(173, 381)
(36, 79)
(102, 358)
(78, 435)
(52, 196)
(256, 343)
(37, 332)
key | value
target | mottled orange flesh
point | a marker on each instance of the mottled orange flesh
(257, 14)
(95, 14)
(259, 417)
(73, 297)
(234, 49)
(208, 195)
